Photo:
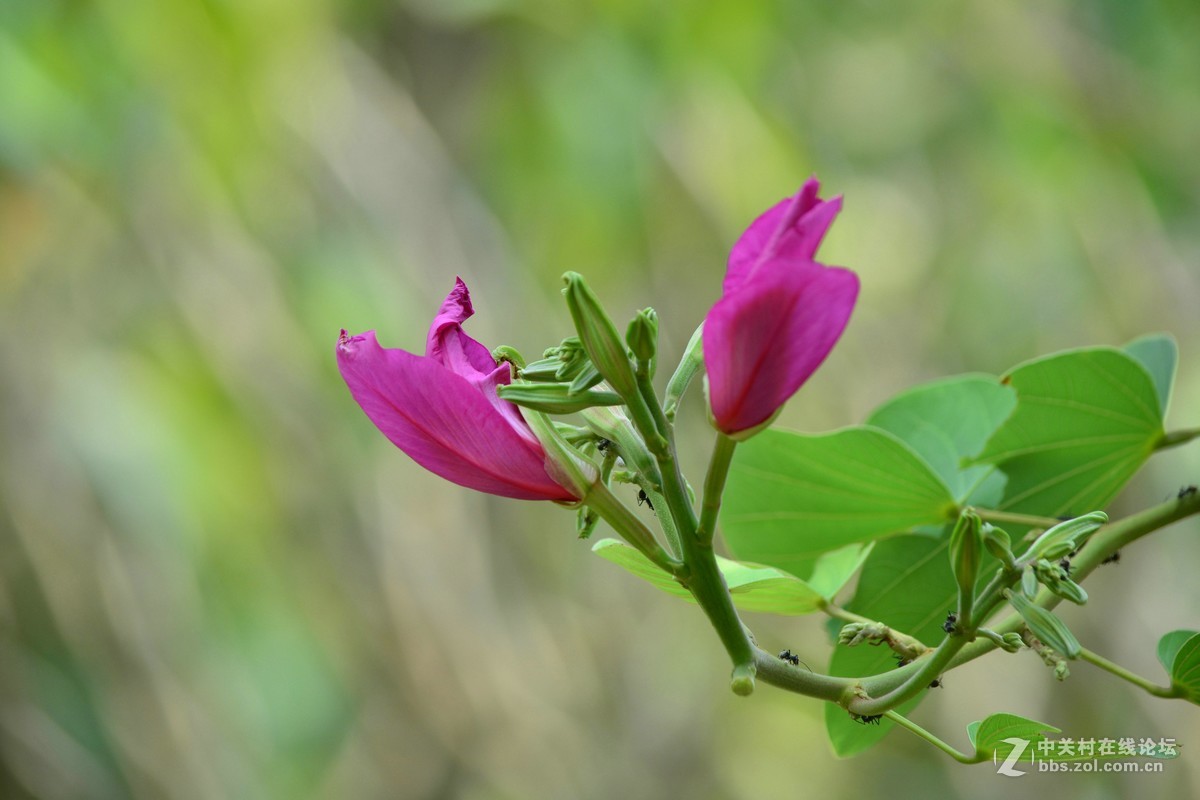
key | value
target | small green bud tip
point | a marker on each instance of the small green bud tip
(510, 354)
(1012, 642)
(742, 681)
(598, 335)
(642, 335)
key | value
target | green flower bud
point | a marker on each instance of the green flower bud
(1045, 626)
(599, 336)
(998, 544)
(588, 377)
(1068, 589)
(1061, 671)
(1029, 582)
(966, 552)
(691, 363)
(1073, 532)
(543, 370)
(1012, 642)
(509, 354)
(555, 398)
(642, 338)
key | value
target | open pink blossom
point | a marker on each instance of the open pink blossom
(442, 408)
(780, 314)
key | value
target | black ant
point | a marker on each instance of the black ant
(870, 719)
(645, 498)
(603, 444)
(1187, 491)
(951, 620)
(793, 659)
(936, 683)
(1065, 564)
(1115, 558)
(901, 661)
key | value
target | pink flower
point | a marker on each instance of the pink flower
(442, 408)
(780, 314)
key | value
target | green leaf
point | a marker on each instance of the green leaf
(791, 497)
(1185, 668)
(753, 588)
(988, 735)
(1168, 647)
(1159, 354)
(905, 584)
(948, 421)
(1085, 421)
(835, 568)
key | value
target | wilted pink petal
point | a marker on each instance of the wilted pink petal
(790, 229)
(780, 315)
(443, 411)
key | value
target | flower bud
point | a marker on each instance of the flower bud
(998, 544)
(691, 363)
(1012, 642)
(555, 398)
(966, 552)
(642, 338)
(1051, 630)
(599, 336)
(1029, 582)
(1073, 532)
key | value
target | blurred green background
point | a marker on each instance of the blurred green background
(217, 580)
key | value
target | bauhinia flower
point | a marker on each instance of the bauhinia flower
(780, 314)
(442, 408)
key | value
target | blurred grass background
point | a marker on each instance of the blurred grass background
(217, 580)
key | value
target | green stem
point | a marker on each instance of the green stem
(907, 724)
(923, 672)
(837, 612)
(1124, 674)
(714, 486)
(780, 673)
(700, 574)
(1176, 438)
(1003, 517)
(626, 523)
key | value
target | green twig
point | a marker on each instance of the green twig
(1126, 675)
(1176, 438)
(1006, 517)
(907, 724)
(714, 486)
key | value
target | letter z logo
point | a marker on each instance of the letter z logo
(1014, 756)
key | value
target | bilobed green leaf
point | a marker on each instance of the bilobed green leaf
(753, 588)
(989, 735)
(1085, 421)
(948, 421)
(1168, 647)
(906, 584)
(1185, 668)
(791, 497)
(1159, 354)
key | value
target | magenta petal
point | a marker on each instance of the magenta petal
(443, 422)
(791, 229)
(764, 340)
(449, 345)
